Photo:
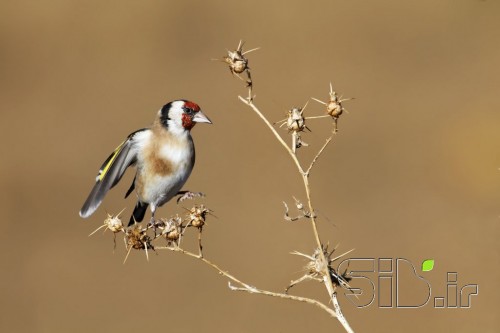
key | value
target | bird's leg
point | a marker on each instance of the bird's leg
(184, 195)
(152, 220)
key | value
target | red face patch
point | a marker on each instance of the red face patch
(187, 121)
(192, 106)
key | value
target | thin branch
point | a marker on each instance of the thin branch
(206, 261)
(330, 311)
(318, 155)
(297, 163)
(322, 257)
(315, 229)
(327, 279)
(340, 315)
(246, 287)
(280, 139)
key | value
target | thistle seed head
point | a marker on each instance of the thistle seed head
(196, 216)
(114, 223)
(172, 229)
(334, 106)
(317, 267)
(137, 238)
(236, 59)
(295, 121)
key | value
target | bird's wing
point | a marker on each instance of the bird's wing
(111, 172)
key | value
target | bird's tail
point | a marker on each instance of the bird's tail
(139, 212)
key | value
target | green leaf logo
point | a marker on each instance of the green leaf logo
(427, 265)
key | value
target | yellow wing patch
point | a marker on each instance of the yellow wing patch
(105, 170)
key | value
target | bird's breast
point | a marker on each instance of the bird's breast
(163, 168)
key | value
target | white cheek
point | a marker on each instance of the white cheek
(175, 115)
(175, 127)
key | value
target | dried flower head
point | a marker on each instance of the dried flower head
(238, 64)
(295, 120)
(334, 106)
(196, 216)
(236, 59)
(172, 229)
(317, 266)
(295, 123)
(138, 239)
(113, 223)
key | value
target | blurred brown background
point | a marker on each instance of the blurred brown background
(414, 172)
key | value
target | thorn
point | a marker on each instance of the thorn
(343, 254)
(255, 49)
(304, 107)
(120, 213)
(93, 232)
(317, 100)
(128, 252)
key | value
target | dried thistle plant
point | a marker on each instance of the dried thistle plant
(295, 122)
(319, 266)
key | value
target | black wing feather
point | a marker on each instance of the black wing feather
(132, 187)
(110, 174)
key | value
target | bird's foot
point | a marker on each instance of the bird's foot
(152, 224)
(184, 195)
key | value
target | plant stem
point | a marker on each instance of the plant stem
(273, 130)
(327, 279)
(246, 287)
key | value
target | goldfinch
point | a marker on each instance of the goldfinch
(163, 155)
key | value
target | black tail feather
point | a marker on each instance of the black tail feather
(139, 212)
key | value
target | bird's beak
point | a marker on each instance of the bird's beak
(199, 117)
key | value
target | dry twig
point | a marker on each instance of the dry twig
(296, 123)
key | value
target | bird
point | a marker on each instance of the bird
(163, 155)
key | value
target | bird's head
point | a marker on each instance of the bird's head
(182, 115)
